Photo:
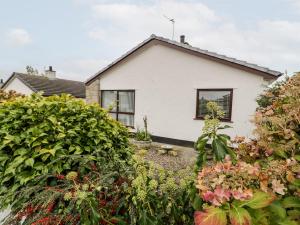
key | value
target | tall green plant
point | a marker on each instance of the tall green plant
(211, 140)
(143, 135)
(158, 196)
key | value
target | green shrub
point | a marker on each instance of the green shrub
(98, 197)
(158, 196)
(268, 96)
(278, 125)
(50, 135)
(262, 186)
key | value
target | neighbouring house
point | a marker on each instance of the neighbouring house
(170, 82)
(46, 83)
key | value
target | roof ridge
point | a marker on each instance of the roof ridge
(38, 83)
(215, 53)
(260, 70)
(41, 76)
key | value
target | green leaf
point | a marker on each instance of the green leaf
(29, 162)
(218, 149)
(239, 216)
(211, 216)
(201, 143)
(297, 157)
(50, 151)
(294, 214)
(259, 200)
(291, 202)
(287, 222)
(296, 182)
(224, 127)
(197, 203)
(281, 154)
(52, 119)
(277, 210)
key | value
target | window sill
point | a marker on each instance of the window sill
(222, 120)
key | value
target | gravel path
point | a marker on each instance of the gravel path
(186, 157)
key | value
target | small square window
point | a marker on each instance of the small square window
(121, 104)
(223, 97)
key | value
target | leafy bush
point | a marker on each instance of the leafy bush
(158, 196)
(40, 136)
(264, 100)
(278, 125)
(262, 187)
(98, 197)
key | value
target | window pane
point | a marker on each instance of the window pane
(222, 98)
(126, 101)
(127, 120)
(109, 99)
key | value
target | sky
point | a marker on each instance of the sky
(79, 37)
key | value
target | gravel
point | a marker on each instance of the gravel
(181, 161)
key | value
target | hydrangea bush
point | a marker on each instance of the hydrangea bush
(262, 185)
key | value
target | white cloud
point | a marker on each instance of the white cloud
(18, 37)
(273, 43)
(296, 3)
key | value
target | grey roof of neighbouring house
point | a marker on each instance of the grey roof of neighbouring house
(55, 86)
(1, 84)
(264, 71)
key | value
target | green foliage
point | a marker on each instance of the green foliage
(95, 198)
(142, 135)
(266, 99)
(268, 193)
(277, 125)
(158, 196)
(211, 140)
(40, 136)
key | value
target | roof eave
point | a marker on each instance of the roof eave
(265, 74)
(124, 56)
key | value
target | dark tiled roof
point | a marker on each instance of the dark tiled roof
(264, 71)
(49, 87)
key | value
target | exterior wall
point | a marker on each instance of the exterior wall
(3, 214)
(17, 85)
(92, 92)
(165, 81)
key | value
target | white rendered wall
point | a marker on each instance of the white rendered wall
(18, 86)
(165, 81)
(3, 215)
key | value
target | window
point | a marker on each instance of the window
(223, 97)
(121, 105)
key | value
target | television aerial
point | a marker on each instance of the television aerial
(173, 25)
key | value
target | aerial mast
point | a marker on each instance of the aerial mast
(173, 25)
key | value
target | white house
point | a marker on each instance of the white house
(47, 83)
(170, 82)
